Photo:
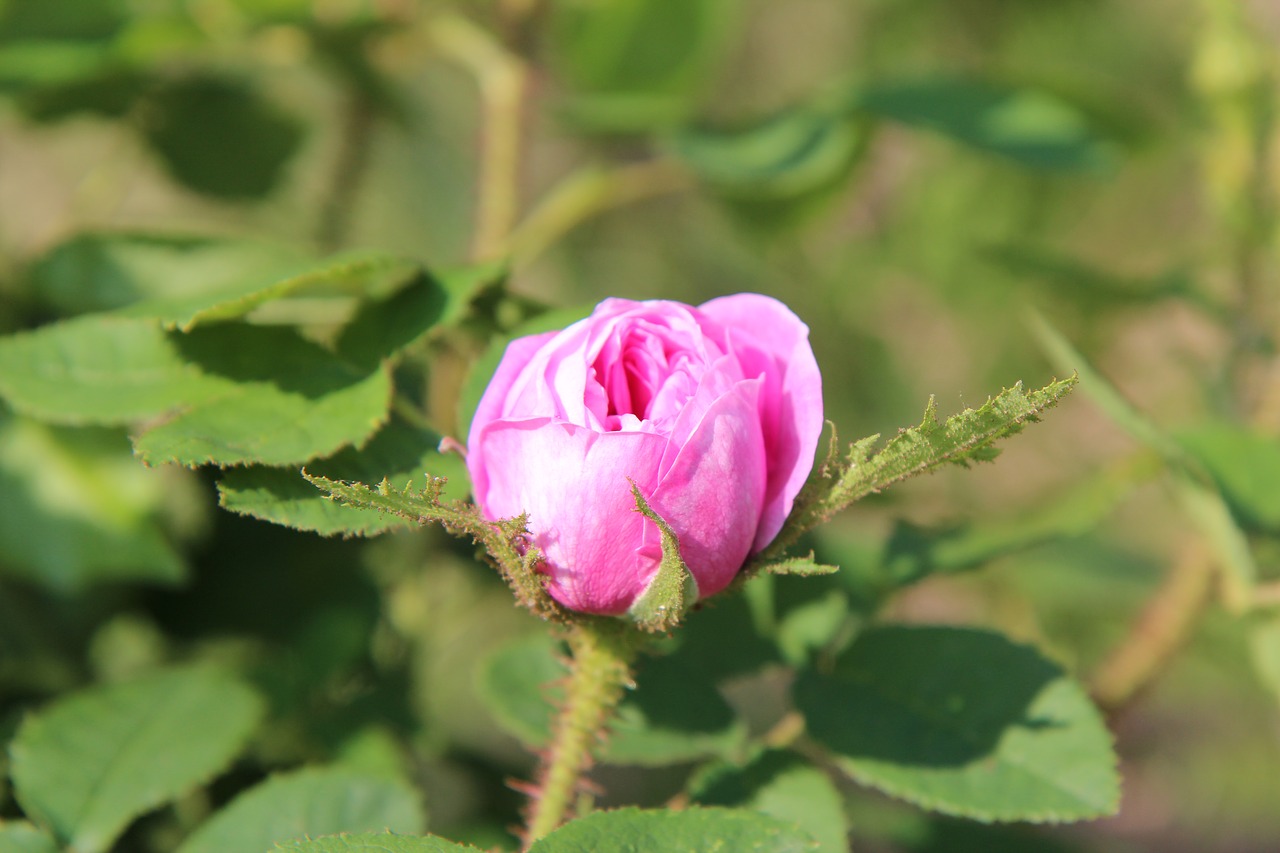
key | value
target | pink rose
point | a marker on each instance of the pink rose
(714, 412)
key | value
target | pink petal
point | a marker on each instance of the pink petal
(573, 483)
(770, 340)
(714, 491)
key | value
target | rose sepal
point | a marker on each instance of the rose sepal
(662, 605)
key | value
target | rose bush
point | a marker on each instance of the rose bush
(713, 412)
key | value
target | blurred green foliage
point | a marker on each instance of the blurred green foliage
(909, 176)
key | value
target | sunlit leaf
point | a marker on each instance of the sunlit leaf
(783, 786)
(101, 370)
(289, 401)
(693, 830)
(309, 803)
(99, 271)
(397, 452)
(380, 842)
(963, 722)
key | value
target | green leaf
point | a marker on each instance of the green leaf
(662, 604)
(309, 803)
(89, 764)
(219, 137)
(1032, 127)
(398, 452)
(693, 830)
(76, 508)
(963, 722)
(287, 401)
(330, 285)
(25, 838)
(782, 786)
(381, 842)
(633, 65)
(110, 270)
(101, 370)
(673, 716)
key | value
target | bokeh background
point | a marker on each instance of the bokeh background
(919, 180)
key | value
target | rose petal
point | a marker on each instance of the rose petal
(770, 341)
(573, 483)
(714, 491)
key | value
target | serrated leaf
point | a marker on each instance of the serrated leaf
(76, 508)
(101, 370)
(287, 401)
(963, 722)
(25, 838)
(89, 764)
(783, 786)
(380, 842)
(309, 803)
(673, 716)
(398, 452)
(694, 830)
(1032, 127)
(335, 279)
(175, 274)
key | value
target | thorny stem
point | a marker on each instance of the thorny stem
(602, 651)
(348, 173)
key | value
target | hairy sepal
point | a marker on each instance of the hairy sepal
(506, 541)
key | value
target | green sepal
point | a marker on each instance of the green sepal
(961, 439)
(662, 605)
(505, 541)
(804, 566)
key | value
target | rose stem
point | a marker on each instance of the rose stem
(600, 667)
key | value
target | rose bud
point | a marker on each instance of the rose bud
(713, 412)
